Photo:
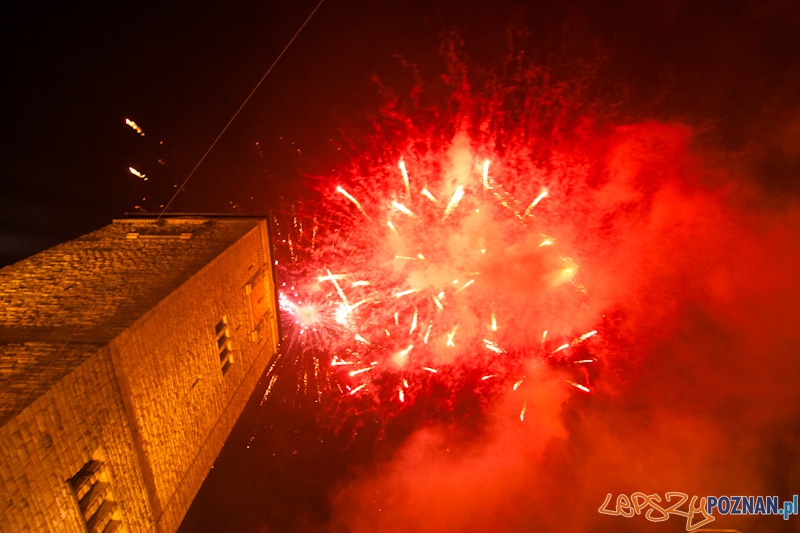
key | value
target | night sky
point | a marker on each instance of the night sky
(180, 72)
(729, 72)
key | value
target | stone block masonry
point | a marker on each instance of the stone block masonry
(127, 356)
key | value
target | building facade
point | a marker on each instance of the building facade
(127, 356)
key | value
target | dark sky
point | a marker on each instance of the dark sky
(729, 70)
(180, 71)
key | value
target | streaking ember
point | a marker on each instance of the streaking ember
(138, 174)
(134, 126)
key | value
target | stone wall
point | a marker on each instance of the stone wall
(127, 356)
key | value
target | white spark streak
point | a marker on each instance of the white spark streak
(137, 173)
(350, 197)
(403, 209)
(457, 196)
(578, 386)
(406, 292)
(486, 174)
(427, 194)
(464, 286)
(560, 348)
(534, 203)
(493, 346)
(403, 170)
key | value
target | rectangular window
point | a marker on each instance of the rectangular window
(224, 345)
(95, 499)
(222, 340)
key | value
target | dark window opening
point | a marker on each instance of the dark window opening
(95, 499)
(223, 345)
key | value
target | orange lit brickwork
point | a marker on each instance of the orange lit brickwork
(113, 399)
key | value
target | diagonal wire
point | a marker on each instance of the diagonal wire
(236, 114)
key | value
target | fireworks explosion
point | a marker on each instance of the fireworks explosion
(505, 294)
(445, 261)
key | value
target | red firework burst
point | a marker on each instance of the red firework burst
(434, 268)
(445, 257)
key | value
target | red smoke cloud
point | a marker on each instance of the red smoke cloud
(695, 273)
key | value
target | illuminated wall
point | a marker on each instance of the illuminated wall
(127, 356)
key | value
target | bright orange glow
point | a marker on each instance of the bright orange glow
(137, 173)
(134, 126)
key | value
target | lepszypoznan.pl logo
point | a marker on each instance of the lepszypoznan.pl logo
(698, 511)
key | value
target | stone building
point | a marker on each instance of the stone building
(127, 356)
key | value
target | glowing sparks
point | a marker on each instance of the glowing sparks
(403, 170)
(404, 353)
(134, 126)
(535, 202)
(464, 286)
(401, 357)
(350, 197)
(137, 173)
(486, 174)
(339, 290)
(427, 334)
(457, 196)
(578, 386)
(403, 209)
(451, 335)
(400, 294)
(409, 263)
(427, 194)
(360, 387)
(561, 348)
(522, 413)
(493, 346)
(330, 277)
